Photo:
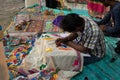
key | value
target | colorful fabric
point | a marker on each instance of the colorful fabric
(35, 26)
(49, 27)
(95, 8)
(45, 52)
(16, 56)
(21, 18)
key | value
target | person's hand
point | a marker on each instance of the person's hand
(103, 27)
(59, 41)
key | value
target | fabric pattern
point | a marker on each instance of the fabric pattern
(35, 26)
(21, 18)
(46, 52)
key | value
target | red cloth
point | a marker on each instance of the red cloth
(95, 8)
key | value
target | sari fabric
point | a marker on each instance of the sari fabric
(95, 8)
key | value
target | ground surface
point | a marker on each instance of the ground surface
(8, 9)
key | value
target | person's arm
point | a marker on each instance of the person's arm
(88, 44)
(70, 37)
(78, 47)
(105, 19)
(116, 26)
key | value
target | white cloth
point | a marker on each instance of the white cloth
(45, 51)
(29, 3)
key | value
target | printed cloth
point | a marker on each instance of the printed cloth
(50, 27)
(21, 18)
(45, 52)
(35, 26)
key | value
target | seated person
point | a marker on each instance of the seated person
(85, 36)
(110, 24)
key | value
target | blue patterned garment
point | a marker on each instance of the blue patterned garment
(112, 20)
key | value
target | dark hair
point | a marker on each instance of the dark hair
(71, 22)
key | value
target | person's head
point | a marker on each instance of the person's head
(72, 22)
(107, 2)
